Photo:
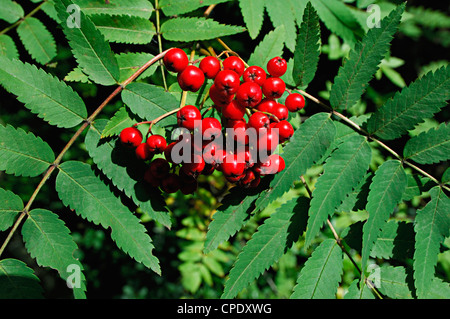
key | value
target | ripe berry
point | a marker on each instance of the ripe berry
(254, 74)
(259, 120)
(168, 152)
(210, 66)
(277, 66)
(220, 98)
(268, 140)
(191, 78)
(281, 112)
(232, 167)
(171, 183)
(159, 168)
(249, 94)
(195, 167)
(211, 128)
(227, 82)
(240, 132)
(188, 184)
(131, 136)
(273, 88)
(143, 152)
(156, 143)
(151, 179)
(294, 102)
(233, 110)
(235, 64)
(176, 60)
(272, 165)
(285, 130)
(187, 116)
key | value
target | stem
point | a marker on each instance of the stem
(158, 32)
(77, 134)
(228, 50)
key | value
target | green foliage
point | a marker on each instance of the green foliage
(360, 211)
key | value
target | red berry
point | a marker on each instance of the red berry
(188, 184)
(268, 140)
(211, 128)
(277, 66)
(233, 110)
(294, 102)
(285, 130)
(176, 60)
(209, 152)
(191, 78)
(159, 167)
(254, 74)
(220, 98)
(240, 133)
(250, 176)
(235, 64)
(131, 136)
(195, 167)
(249, 94)
(156, 143)
(232, 167)
(151, 179)
(227, 82)
(273, 88)
(187, 116)
(272, 165)
(281, 112)
(210, 66)
(171, 183)
(259, 120)
(143, 152)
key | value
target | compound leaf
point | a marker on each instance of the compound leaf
(89, 47)
(307, 49)
(23, 154)
(412, 105)
(136, 8)
(126, 172)
(18, 281)
(305, 148)
(429, 147)
(196, 29)
(48, 240)
(81, 190)
(37, 40)
(42, 93)
(432, 226)
(386, 191)
(321, 274)
(344, 169)
(267, 245)
(362, 63)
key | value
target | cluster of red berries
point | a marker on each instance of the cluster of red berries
(250, 154)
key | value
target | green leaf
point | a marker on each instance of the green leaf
(344, 169)
(121, 120)
(267, 245)
(355, 292)
(393, 282)
(126, 172)
(196, 29)
(43, 94)
(130, 62)
(11, 11)
(253, 14)
(304, 149)
(280, 16)
(8, 47)
(412, 105)
(18, 281)
(150, 101)
(177, 7)
(307, 49)
(362, 63)
(439, 289)
(271, 46)
(432, 226)
(386, 191)
(37, 40)
(396, 241)
(10, 206)
(137, 8)
(23, 154)
(339, 19)
(48, 240)
(429, 147)
(231, 215)
(124, 29)
(89, 47)
(321, 274)
(81, 190)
